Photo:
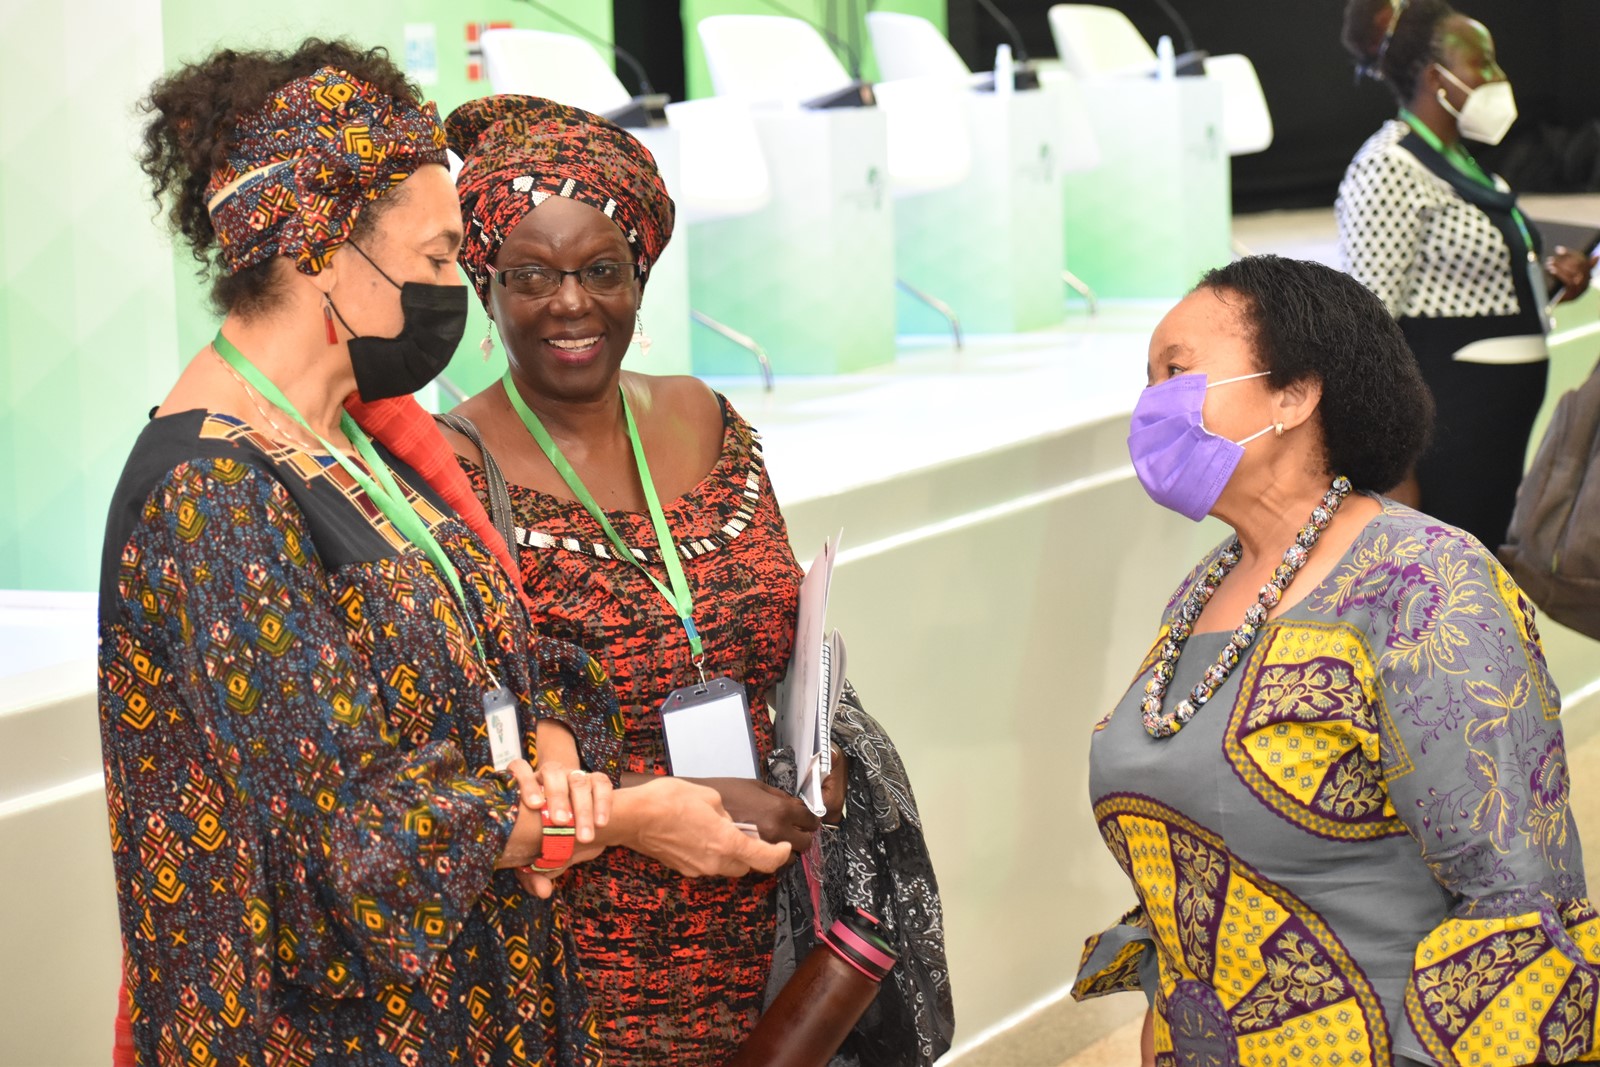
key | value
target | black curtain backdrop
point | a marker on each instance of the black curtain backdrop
(652, 30)
(1548, 48)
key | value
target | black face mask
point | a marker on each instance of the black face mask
(435, 320)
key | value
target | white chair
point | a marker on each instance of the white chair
(557, 66)
(722, 173)
(1095, 41)
(1098, 42)
(929, 146)
(909, 46)
(723, 169)
(769, 59)
(1246, 122)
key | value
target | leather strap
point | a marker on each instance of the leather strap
(499, 498)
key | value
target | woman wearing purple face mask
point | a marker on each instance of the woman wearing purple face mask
(1337, 783)
(1445, 246)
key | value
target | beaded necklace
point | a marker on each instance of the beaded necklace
(1159, 723)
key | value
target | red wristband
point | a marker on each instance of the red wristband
(556, 847)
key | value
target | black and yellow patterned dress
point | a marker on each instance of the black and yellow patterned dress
(304, 815)
(1360, 852)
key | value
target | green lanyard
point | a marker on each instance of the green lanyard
(1462, 161)
(388, 496)
(680, 596)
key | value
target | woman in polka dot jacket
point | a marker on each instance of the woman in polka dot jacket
(1443, 243)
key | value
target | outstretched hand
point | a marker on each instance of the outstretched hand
(686, 827)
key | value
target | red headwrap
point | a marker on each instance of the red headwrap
(520, 150)
(305, 163)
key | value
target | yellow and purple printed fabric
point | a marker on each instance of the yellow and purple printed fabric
(1361, 851)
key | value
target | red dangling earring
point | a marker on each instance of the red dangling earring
(327, 319)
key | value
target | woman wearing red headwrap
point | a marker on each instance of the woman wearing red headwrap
(320, 694)
(649, 534)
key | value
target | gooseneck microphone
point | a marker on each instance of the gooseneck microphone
(648, 107)
(1191, 63)
(1177, 21)
(858, 93)
(1024, 78)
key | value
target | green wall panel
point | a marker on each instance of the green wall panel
(98, 310)
(87, 340)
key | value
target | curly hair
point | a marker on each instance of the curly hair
(1395, 40)
(1309, 321)
(194, 112)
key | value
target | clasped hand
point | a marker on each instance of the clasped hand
(679, 823)
(574, 797)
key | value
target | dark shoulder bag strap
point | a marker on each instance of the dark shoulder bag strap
(499, 499)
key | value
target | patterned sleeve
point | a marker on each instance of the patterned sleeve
(364, 861)
(1119, 960)
(576, 692)
(1476, 768)
(1380, 211)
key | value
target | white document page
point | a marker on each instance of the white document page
(805, 695)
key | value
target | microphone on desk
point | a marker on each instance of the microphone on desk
(858, 93)
(1191, 63)
(648, 107)
(1024, 76)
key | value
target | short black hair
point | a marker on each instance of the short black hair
(1396, 58)
(1311, 321)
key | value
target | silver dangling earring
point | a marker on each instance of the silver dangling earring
(640, 338)
(486, 346)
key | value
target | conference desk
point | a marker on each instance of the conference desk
(1001, 575)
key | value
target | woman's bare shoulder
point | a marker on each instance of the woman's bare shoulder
(680, 398)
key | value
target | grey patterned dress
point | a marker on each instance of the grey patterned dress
(1360, 851)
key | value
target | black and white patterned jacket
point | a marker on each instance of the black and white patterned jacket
(1434, 244)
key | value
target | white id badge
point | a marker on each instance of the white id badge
(707, 731)
(500, 719)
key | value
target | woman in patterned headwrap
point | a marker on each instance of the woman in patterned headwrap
(317, 678)
(565, 214)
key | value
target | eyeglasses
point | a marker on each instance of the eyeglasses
(600, 279)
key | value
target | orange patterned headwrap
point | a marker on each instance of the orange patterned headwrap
(520, 150)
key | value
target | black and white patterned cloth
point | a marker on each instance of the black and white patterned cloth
(1409, 235)
(875, 860)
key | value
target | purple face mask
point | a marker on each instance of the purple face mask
(1180, 463)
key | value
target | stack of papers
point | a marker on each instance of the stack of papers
(809, 693)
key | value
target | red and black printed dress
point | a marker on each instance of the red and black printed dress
(304, 814)
(676, 967)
